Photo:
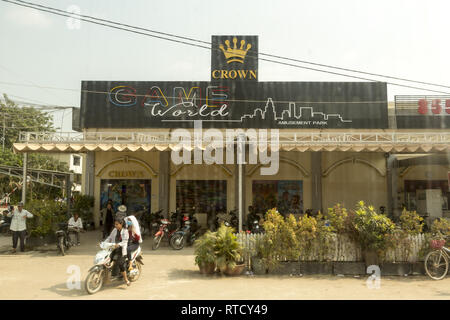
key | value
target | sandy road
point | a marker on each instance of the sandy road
(169, 274)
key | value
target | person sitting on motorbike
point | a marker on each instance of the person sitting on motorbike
(119, 236)
(75, 226)
(134, 237)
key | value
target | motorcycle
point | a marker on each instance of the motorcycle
(255, 227)
(63, 242)
(106, 269)
(186, 235)
(155, 218)
(166, 229)
(230, 220)
(5, 222)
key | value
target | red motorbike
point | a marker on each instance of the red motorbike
(166, 229)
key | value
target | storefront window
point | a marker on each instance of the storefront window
(412, 196)
(135, 194)
(285, 195)
(205, 195)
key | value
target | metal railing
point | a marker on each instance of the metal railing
(307, 138)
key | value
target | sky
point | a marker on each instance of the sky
(407, 39)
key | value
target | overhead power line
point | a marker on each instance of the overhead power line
(115, 24)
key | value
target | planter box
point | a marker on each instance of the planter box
(396, 269)
(314, 267)
(349, 268)
(287, 268)
(33, 242)
(257, 267)
(418, 268)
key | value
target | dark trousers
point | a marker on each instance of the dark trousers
(130, 248)
(107, 229)
(15, 236)
(76, 233)
(117, 254)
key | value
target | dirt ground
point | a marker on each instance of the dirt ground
(170, 274)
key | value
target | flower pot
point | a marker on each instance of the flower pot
(370, 257)
(258, 266)
(207, 268)
(237, 270)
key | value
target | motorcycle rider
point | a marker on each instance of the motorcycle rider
(119, 236)
(134, 237)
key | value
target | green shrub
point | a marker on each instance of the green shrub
(227, 249)
(440, 229)
(338, 217)
(83, 205)
(410, 222)
(47, 214)
(371, 228)
(204, 249)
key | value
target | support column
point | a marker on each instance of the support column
(240, 180)
(316, 181)
(89, 174)
(164, 182)
(68, 184)
(24, 178)
(392, 185)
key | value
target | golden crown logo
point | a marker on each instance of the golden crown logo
(234, 54)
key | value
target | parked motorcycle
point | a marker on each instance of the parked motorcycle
(230, 220)
(255, 227)
(187, 234)
(166, 229)
(155, 218)
(63, 242)
(106, 269)
(5, 222)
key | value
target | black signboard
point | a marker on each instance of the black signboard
(422, 112)
(234, 58)
(232, 104)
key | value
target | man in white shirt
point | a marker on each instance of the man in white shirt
(75, 226)
(19, 226)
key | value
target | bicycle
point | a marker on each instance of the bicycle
(436, 262)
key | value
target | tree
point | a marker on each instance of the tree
(14, 119)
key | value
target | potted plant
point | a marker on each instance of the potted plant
(371, 231)
(204, 252)
(410, 225)
(228, 251)
(278, 250)
(314, 236)
(263, 258)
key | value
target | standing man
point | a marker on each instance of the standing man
(19, 226)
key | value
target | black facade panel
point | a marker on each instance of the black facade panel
(234, 104)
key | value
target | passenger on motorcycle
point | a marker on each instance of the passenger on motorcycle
(119, 236)
(134, 237)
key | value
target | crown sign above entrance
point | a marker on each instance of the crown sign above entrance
(235, 54)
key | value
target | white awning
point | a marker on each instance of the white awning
(406, 142)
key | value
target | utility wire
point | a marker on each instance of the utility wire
(227, 100)
(209, 43)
